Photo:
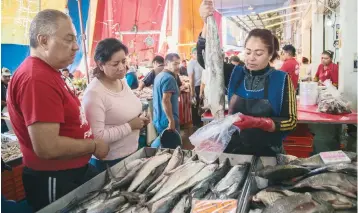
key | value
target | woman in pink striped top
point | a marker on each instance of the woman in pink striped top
(113, 111)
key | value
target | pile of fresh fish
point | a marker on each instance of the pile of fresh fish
(307, 185)
(163, 183)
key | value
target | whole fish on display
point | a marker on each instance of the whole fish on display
(183, 206)
(302, 203)
(231, 184)
(165, 204)
(269, 196)
(179, 176)
(214, 69)
(337, 182)
(282, 172)
(176, 160)
(204, 173)
(338, 201)
(147, 169)
(202, 188)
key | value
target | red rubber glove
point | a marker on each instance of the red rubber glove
(249, 122)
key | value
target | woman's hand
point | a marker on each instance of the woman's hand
(250, 122)
(206, 9)
(136, 123)
(145, 119)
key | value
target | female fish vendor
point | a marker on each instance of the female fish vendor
(264, 96)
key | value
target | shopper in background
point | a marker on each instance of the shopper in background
(5, 79)
(165, 98)
(263, 95)
(112, 109)
(131, 77)
(195, 71)
(158, 64)
(290, 65)
(55, 138)
(305, 70)
(327, 70)
(66, 77)
(183, 68)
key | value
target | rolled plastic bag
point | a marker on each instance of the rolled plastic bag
(331, 101)
(211, 140)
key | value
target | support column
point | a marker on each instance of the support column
(317, 36)
(348, 50)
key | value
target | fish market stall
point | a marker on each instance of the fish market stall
(153, 180)
(320, 183)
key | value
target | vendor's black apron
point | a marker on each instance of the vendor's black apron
(254, 141)
(44, 187)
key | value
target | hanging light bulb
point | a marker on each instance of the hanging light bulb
(329, 23)
(250, 8)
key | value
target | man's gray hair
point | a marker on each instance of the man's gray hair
(44, 23)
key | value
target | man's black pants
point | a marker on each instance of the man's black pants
(45, 187)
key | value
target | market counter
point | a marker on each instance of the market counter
(308, 114)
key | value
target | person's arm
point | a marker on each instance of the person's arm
(287, 120)
(49, 145)
(147, 81)
(96, 115)
(335, 75)
(167, 106)
(202, 89)
(316, 77)
(43, 113)
(191, 71)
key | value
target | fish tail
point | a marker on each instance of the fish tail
(109, 171)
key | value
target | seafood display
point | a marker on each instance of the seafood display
(165, 182)
(306, 185)
(10, 151)
(145, 93)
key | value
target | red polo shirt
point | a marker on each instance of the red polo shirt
(330, 72)
(37, 93)
(292, 67)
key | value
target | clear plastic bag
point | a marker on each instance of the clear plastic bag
(331, 101)
(211, 140)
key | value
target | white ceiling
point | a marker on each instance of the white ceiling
(240, 7)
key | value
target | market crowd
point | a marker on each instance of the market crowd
(65, 142)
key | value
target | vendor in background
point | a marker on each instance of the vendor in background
(183, 68)
(131, 77)
(327, 70)
(235, 60)
(54, 136)
(166, 97)
(158, 64)
(305, 70)
(264, 96)
(5, 79)
(113, 111)
(290, 65)
(194, 71)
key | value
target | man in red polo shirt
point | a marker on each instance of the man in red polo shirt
(290, 65)
(47, 117)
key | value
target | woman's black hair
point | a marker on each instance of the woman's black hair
(104, 51)
(329, 53)
(268, 39)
